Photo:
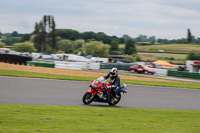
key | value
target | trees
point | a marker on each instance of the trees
(40, 36)
(45, 34)
(114, 46)
(189, 36)
(192, 55)
(66, 45)
(114, 49)
(24, 47)
(15, 34)
(126, 37)
(69, 46)
(68, 34)
(97, 49)
(89, 35)
(10, 40)
(130, 47)
(2, 45)
(25, 37)
(79, 47)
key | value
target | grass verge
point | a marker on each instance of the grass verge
(63, 119)
(79, 78)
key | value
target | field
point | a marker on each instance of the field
(167, 55)
(67, 119)
(61, 119)
(179, 59)
(173, 53)
(170, 48)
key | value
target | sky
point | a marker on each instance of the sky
(166, 19)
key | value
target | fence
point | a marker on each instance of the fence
(119, 66)
(183, 74)
(80, 65)
(77, 65)
(41, 64)
(160, 72)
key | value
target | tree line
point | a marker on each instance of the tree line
(47, 39)
(11, 38)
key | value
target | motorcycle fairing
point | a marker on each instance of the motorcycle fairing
(92, 91)
(122, 88)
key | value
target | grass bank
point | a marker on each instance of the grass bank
(63, 119)
(79, 78)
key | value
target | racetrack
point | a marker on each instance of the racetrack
(35, 91)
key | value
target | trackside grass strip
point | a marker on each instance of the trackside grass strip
(67, 119)
(79, 78)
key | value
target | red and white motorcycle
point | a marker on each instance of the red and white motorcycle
(100, 92)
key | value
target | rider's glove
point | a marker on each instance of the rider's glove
(104, 86)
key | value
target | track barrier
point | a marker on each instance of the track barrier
(14, 59)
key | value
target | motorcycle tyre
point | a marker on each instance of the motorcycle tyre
(86, 96)
(116, 102)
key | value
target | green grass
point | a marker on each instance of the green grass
(79, 78)
(67, 119)
(170, 53)
(42, 75)
(172, 58)
(172, 48)
(182, 56)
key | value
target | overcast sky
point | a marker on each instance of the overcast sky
(168, 19)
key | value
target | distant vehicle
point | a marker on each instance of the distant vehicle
(141, 69)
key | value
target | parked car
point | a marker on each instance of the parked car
(141, 69)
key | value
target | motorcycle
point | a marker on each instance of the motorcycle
(101, 92)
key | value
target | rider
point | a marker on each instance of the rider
(114, 79)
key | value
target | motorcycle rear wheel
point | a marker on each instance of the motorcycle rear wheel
(114, 100)
(87, 98)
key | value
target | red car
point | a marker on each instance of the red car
(141, 69)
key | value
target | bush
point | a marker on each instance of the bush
(24, 47)
(192, 55)
(133, 58)
(2, 45)
(144, 43)
(97, 49)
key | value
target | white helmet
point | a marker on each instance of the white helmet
(113, 72)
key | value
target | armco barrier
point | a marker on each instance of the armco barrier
(77, 65)
(183, 74)
(41, 64)
(119, 66)
(160, 72)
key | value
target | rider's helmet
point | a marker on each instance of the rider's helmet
(113, 72)
(113, 75)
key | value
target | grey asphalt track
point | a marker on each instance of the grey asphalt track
(35, 91)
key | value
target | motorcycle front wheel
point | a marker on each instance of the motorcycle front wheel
(87, 98)
(114, 100)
